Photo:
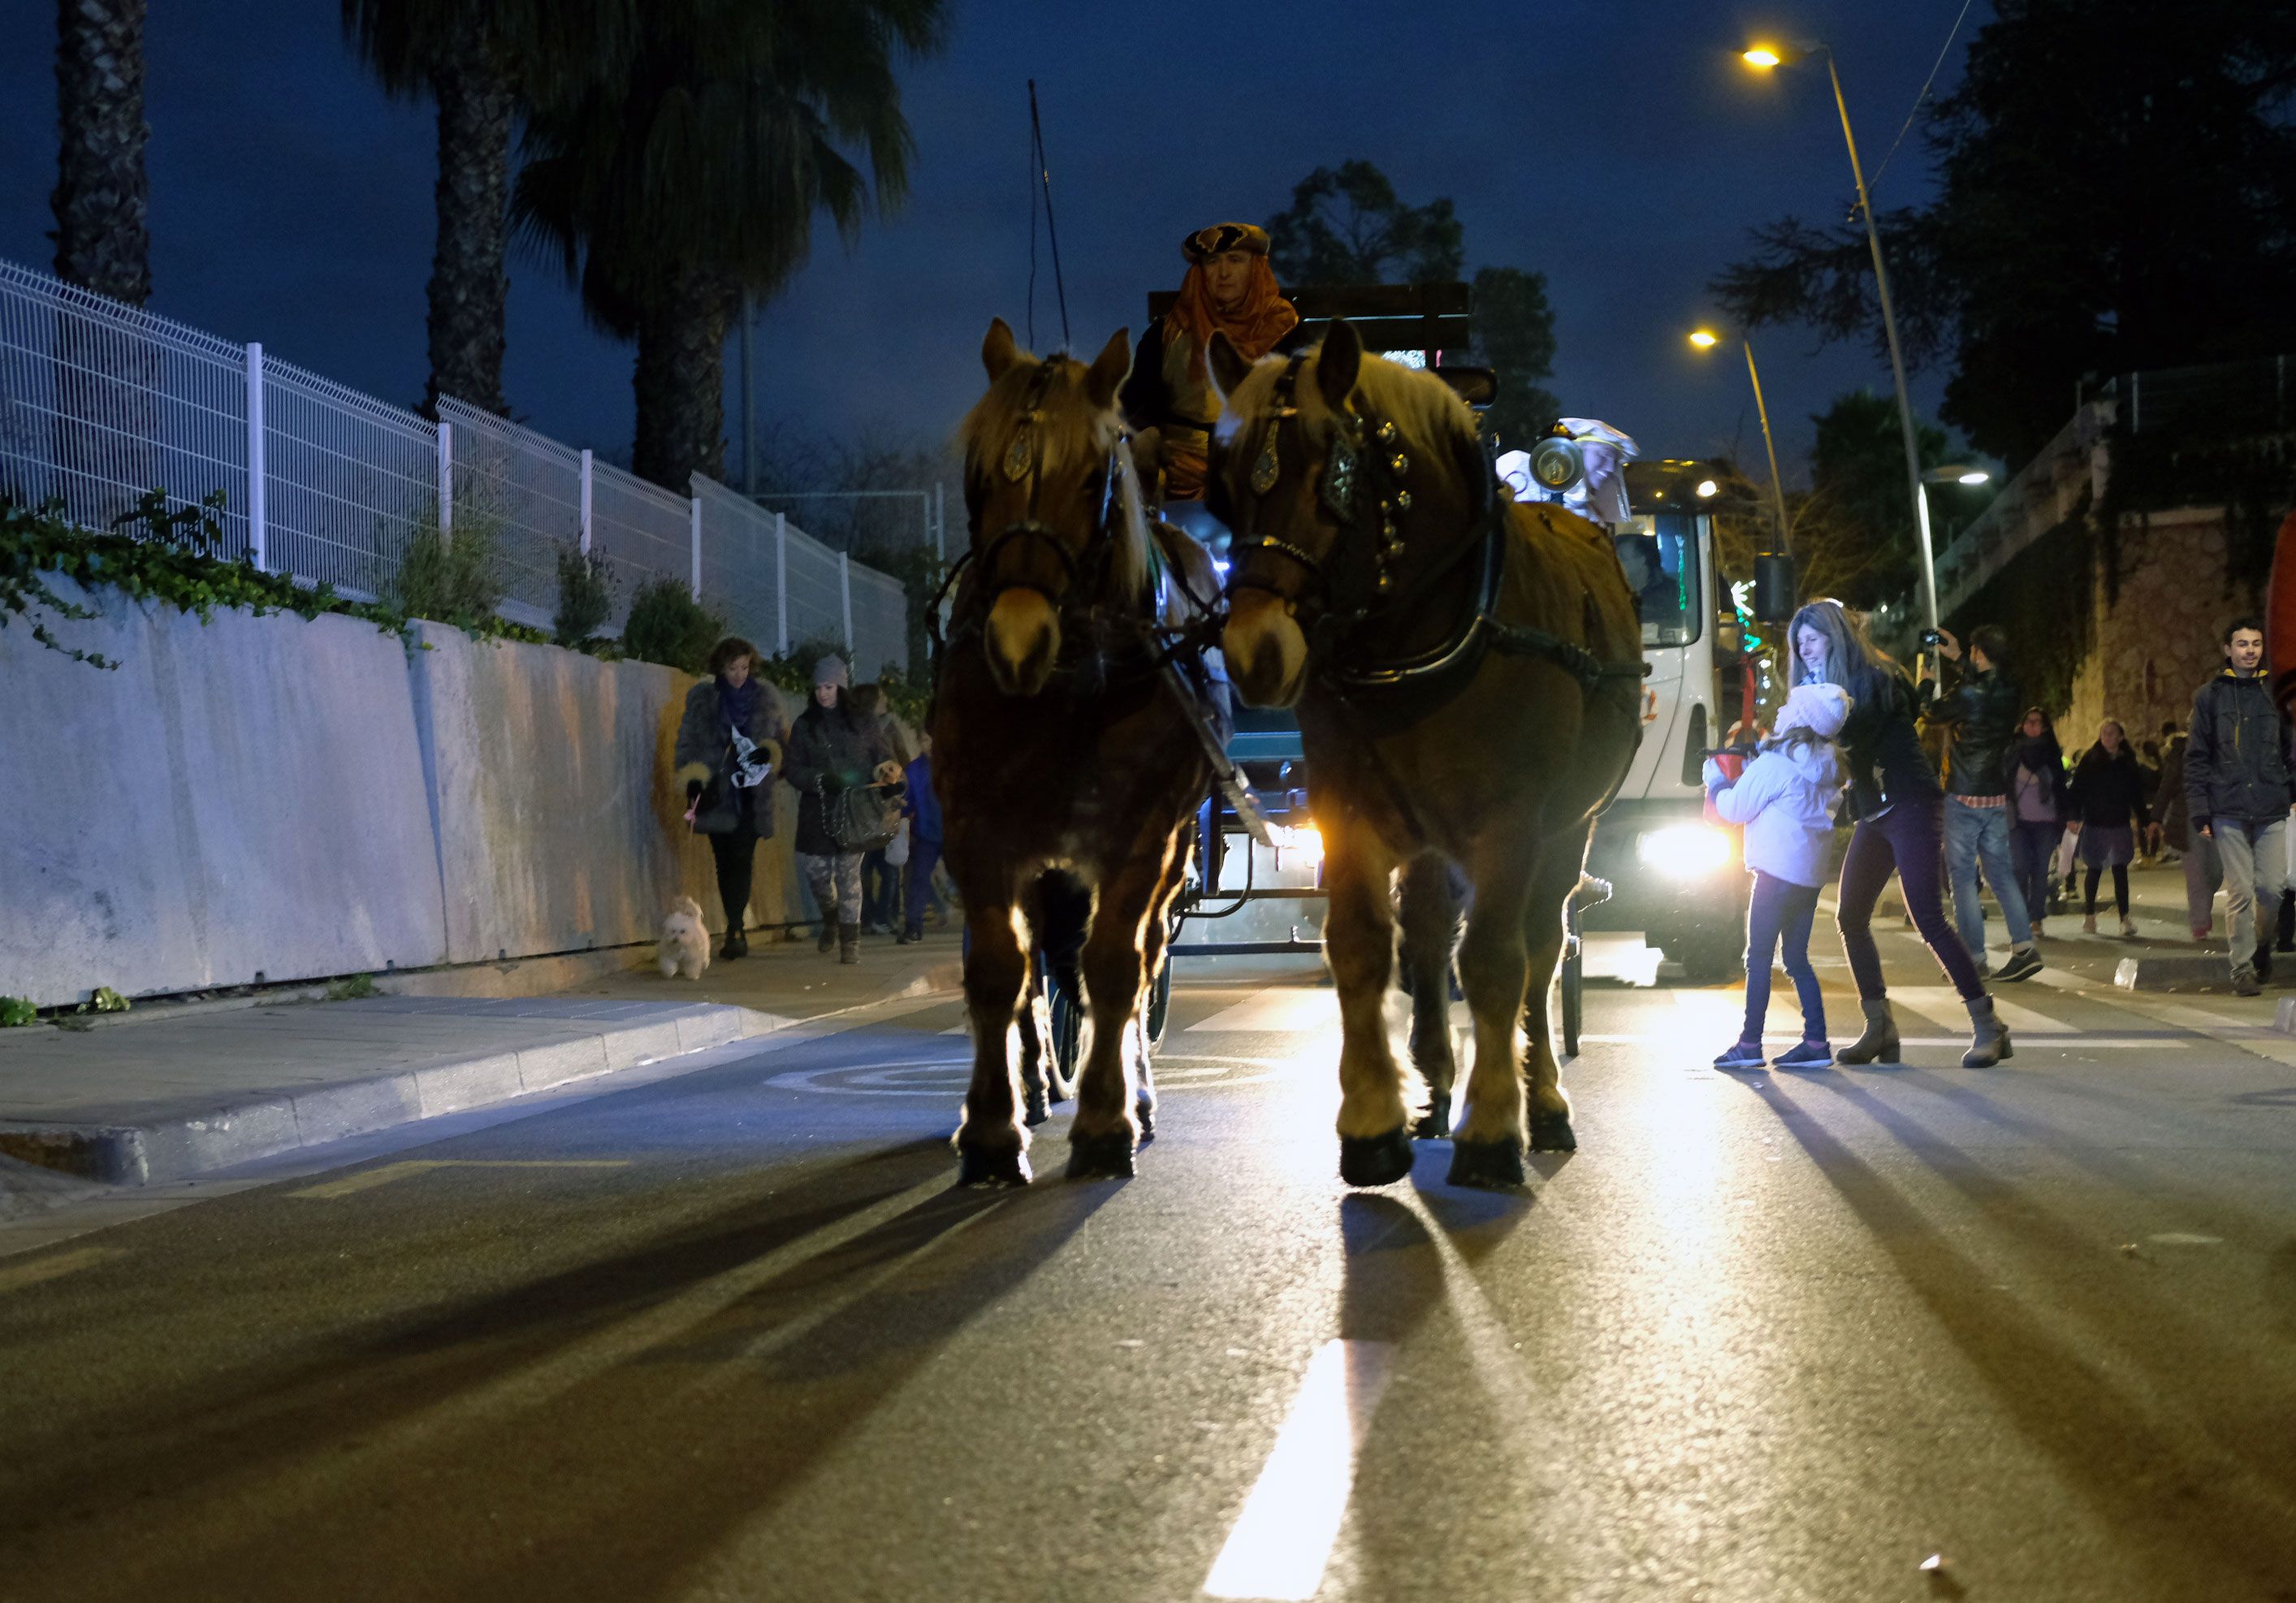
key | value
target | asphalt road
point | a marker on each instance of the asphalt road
(730, 1333)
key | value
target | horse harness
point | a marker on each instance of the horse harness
(1364, 487)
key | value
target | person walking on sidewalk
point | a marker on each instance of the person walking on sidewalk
(2237, 786)
(834, 749)
(923, 813)
(2108, 793)
(1899, 808)
(1785, 800)
(728, 740)
(2036, 801)
(2172, 819)
(1978, 708)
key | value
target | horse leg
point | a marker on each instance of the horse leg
(1544, 931)
(1431, 932)
(1106, 1132)
(1488, 1149)
(991, 1143)
(1359, 945)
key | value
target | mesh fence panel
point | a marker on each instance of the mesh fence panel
(101, 401)
(644, 530)
(817, 595)
(525, 487)
(880, 624)
(738, 581)
(347, 480)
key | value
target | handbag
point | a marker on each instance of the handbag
(897, 855)
(861, 818)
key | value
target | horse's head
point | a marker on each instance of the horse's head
(1049, 497)
(1313, 468)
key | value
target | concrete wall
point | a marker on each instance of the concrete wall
(280, 799)
(2157, 641)
(241, 799)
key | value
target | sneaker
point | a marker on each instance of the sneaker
(2023, 963)
(2128, 929)
(2201, 932)
(2088, 925)
(1807, 1054)
(1742, 1054)
(2244, 982)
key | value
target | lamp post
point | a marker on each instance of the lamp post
(1763, 57)
(1707, 339)
(1959, 473)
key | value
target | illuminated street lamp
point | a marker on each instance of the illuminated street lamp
(1763, 57)
(1706, 339)
(1959, 473)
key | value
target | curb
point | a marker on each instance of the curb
(178, 1147)
(2195, 972)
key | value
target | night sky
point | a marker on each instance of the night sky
(1620, 149)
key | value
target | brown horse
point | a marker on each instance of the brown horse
(1465, 671)
(1060, 746)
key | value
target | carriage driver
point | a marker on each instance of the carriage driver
(1230, 286)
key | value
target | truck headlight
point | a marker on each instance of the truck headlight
(1685, 850)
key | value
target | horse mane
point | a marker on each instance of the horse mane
(1426, 412)
(1070, 431)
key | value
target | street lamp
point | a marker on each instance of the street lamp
(1707, 339)
(1763, 57)
(1959, 473)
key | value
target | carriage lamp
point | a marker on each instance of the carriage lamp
(1706, 489)
(1305, 842)
(1685, 850)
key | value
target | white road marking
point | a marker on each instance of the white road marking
(2063, 1044)
(1942, 1005)
(367, 1180)
(1283, 1541)
(1278, 1008)
(16, 1276)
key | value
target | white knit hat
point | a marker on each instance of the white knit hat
(1820, 708)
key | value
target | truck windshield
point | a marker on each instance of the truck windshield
(1660, 553)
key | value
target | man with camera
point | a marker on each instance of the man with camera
(2237, 787)
(1980, 711)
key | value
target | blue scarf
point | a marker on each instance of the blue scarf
(740, 706)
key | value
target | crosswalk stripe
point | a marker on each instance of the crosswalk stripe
(17, 1276)
(1942, 1005)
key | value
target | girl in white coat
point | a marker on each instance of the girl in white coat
(1785, 799)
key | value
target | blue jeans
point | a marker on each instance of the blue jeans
(1779, 914)
(2032, 846)
(1971, 833)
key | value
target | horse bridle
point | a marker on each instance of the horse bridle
(1363, 487)
(1024, 459)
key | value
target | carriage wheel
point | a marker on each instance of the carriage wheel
(1159, 1003)
(1574, 988)
(1068, 1035)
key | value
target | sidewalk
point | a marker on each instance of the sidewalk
(162, 1093)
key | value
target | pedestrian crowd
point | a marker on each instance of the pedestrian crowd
(1848, 743)
(868, 827)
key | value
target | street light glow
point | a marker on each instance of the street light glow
(1705, 488)
(1763, 57)
(1704, 339)
(1974, 476)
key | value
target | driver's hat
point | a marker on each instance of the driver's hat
(1206, 243)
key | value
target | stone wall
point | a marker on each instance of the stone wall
(276, 798)
(2157, 634)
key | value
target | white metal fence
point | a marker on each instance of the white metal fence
(100, 401)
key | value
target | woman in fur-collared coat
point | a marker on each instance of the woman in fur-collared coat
(729, 743)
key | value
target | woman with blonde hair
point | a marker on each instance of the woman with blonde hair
(1899, 808)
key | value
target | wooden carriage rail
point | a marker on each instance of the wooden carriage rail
(1387, 317)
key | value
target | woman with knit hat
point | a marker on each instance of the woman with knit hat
(1230, 288)
(833, 747)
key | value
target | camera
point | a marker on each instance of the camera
(1932, 637)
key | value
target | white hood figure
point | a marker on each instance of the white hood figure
(1787, 796)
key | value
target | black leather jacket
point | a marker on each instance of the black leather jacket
(1982, 712)
(1886, 763)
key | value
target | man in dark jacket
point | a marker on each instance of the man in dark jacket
(2236, 785)
(1981, 711)
(923, 813)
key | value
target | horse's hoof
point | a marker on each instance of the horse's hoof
(1435, 1124)
(1037, 1112)
(1100, 1157)
(1487, 1165)
(1375, 1160)
(976, 1167)
(1551, 1133)
(1145, 1113)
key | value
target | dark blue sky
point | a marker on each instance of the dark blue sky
(1620, 150)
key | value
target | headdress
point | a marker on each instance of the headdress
(1264, 316)
(1206, 243)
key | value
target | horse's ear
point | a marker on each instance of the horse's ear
(1000, 350)
(1226, 363)
(1339, 363)
(1110, 369)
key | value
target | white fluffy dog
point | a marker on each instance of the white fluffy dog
(685, 947)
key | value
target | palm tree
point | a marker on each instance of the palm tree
(694, 174)
(101, 202)
(485, 63)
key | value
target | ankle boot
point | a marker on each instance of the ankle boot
(737, 945)
(848, 942)
(828, 942)
(1989, 1037)
(1880, 1040)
